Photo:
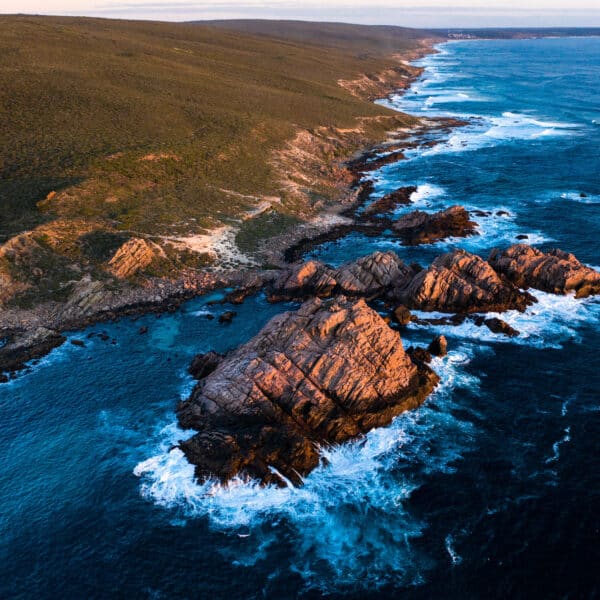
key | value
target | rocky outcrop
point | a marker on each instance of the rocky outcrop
(439, 346)
(133, 256)
(302, 280)
(419, 227)
(389, 202)
(402, 315)
(555, 271)
(373, 274)
(496, 325)
(19, 347)
(460, 282)
(368, 276)
(326, 373)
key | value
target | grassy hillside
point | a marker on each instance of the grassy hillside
(377, 40)
(164, 129)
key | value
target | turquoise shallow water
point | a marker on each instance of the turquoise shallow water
(490, 490)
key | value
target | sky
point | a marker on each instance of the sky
(410, 13)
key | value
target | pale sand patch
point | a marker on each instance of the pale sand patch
(220, 245)
(330, 220)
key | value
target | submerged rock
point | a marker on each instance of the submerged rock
(419, 227)
(461, 282)
(368, 277)
(555, 271)
(227, 316)
(323, 374)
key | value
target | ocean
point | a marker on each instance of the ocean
(491, 489)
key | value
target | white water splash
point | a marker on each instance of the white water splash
(346, 511)
(548, 323)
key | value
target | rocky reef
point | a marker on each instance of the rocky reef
(368, 276)
(19, 346)
(461, 282)
(419, 227)
(324, 374)
(556, 271)
(390, 201)
(334, 369)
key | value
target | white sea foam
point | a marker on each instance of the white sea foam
(490, 131)
(565, 439)
(203, 312)
(547, 324)
(577, 197)
(454, 556)
(448, 96)
(332, 511)
(425, 193)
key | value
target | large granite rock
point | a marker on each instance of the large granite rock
(134, 255)
(368, 276)
(303, 280)
(460, 282)
(326, 373)
(373, 274)
(418, 227)
(555, 271)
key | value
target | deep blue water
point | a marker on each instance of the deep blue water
(490, 490)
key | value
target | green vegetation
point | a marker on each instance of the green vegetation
(261, 227)
(82, 101)
(117, 129)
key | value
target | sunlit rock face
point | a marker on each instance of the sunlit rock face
(323, 374)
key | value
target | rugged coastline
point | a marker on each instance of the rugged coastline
(335, 368)
(95, 301)
(273, 434)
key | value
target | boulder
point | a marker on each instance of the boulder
(438, 346)
(461, 282)
(402, 315)
(323, 374)
(419, 227)
(496, 325)
(555, 271)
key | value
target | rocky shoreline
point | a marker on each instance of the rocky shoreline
(27, 333)
(334, 369)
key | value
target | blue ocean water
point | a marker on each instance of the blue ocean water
(490, 490)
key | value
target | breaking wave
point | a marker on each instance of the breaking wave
(351, 517)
